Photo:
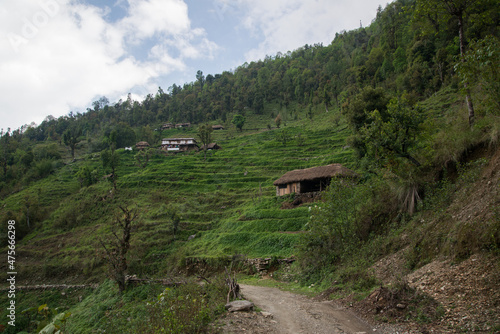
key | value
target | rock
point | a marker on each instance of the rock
(239, 306)
(267, 314)
(191, 237)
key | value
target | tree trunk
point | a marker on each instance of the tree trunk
(468, 98)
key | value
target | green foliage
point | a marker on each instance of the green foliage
(188, 308)
(205, 134)
(142, 157)
(229, 201)
(104, 310)
(86, 177)
(239, 121)
(175, 219)
(331, 230)
(393, 134)
(41, 319)
(122, 136)
(57, 323)
(111, 161)
(283, 136)
(71, 137)
(43, 168)
(480, 66)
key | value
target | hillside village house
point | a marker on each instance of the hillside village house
(178, 144)
(142, 145)
(183, 125)
(211, 146)
(217, 127)
(308, 180)
(167, 126)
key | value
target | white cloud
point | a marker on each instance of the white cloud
(61, 54)
(156, 16)
(286, 25)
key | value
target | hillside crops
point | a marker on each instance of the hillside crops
(227, 202)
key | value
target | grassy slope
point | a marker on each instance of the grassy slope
(228, 201)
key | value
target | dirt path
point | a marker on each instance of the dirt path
(284, 312)
(299, 314)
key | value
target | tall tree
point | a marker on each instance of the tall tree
(116, 249)
(205, 134)
(482, 66)
(111, 161)
(71, 137)
(459, 10)
(239, 121)
(393, 134)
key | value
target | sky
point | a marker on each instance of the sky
(58, 56)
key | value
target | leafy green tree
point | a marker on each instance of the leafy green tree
(205, 134)
(125, 136)
(367, 100)
(239, 121)
(482, 65)
(142, 157)
(460, 11)
(331, 230)
(111, 162)
(85, 176)
(175, 219)
(393, 134)
(71, 137)
(283, 136)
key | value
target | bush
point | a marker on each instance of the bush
(332, 228)
(44, 167)
(188, 308)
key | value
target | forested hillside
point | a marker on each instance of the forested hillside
(411, 103)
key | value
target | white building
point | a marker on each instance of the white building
(178, 144)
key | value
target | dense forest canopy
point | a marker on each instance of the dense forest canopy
(412, 48)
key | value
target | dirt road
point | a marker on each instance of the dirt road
(299, 314)
(284, 312)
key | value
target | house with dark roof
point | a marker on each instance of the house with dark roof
(211, 146)
(142, 145)
(167, 126)
(308, 180)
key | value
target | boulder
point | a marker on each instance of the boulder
(239, 306)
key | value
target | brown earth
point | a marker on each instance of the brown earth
(466, 283)
(284, 312)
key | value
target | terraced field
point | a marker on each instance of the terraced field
(227, 202)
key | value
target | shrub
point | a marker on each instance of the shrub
(331, 227)
(188, 308)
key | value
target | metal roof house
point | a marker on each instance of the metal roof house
(308, 180)
(178, 144)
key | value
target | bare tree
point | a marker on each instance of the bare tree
(117, 248)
